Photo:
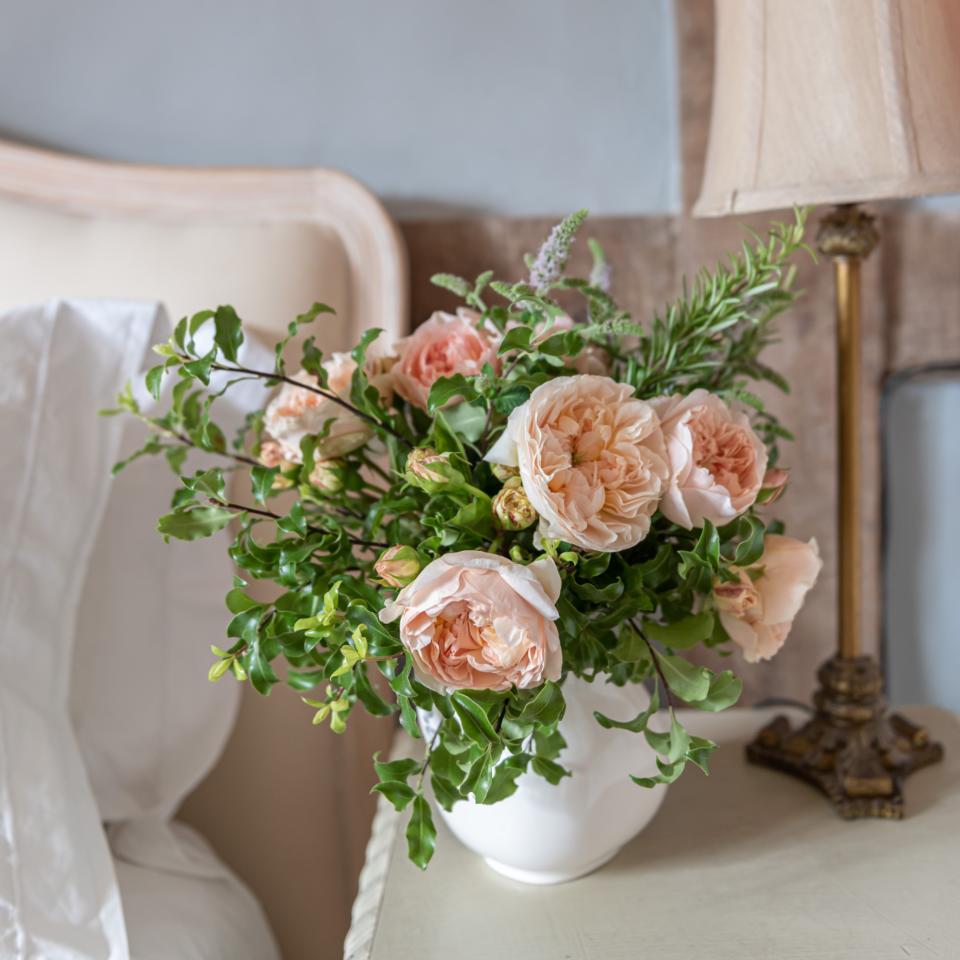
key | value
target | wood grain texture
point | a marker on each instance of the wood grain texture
(744, 865)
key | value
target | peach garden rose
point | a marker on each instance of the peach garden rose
(295, 413)
(477, 621)
(717, 462)
(444, 345)
(592, 460)
(758, 611)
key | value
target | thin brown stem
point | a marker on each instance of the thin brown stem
(237, 457)
(656, 664)
(269, 514)
(329, 395)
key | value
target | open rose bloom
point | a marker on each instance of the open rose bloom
(758, 609)
(591, 458)
(717, 462)
(477, 621)
(442, 346)
(590, 485)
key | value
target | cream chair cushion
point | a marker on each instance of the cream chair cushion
(269, 270)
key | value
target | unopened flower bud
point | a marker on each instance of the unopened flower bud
(271, 455)
(327, 475)
(774, 483)
(512, 508)
(502, 472)
(398, 566)
(431, 471)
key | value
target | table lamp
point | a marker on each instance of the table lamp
(838, 102)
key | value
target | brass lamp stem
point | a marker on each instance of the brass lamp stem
(847, 235)
(847, 276)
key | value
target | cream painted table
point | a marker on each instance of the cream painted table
(747, 864)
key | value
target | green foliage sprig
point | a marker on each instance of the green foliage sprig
(317, 528)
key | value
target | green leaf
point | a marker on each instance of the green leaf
(688, 681)
(609, 593)
(396, 769)
(468, 420)
(209, 482)
(219, 668)
(511, 397)
(750, 548)
(504, 783)
(550, 771)
(708, 546)
(679, 739)
(699, 752)
(638, 724)
(517, 338)
(631, 647)
(451, 282)
(445, 389)
(238, 602)
(261, 672)
(473, 718)
(724, 691)
(373, 703)
(294, 521)
(479, 777)
(261, 480)
(200, 368)
(175, 458)
(154, 380)
(684, 633)
(546, 707)
(421, 833)
(194, 524)
(228, 336)
(399, 794)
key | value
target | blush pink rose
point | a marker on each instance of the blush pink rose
(295, 413)
(717, 462)
(444, 345)
(591, 458)
(758, 610)
(478, 621)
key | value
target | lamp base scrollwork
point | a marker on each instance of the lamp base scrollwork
(851, 749)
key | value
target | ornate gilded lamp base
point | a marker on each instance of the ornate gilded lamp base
(851, 749)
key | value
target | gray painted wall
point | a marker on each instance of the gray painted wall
(521, 107)
(922, 630)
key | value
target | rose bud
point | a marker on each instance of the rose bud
(271, 455)
(327, 475)
(774, 483)
(502, 472)
(398, 566)
(512, 508)
(432, 471)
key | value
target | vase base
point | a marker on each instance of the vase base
(547, 877)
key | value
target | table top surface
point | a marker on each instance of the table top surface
(747, 864)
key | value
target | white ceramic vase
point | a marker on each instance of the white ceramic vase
(549, 834)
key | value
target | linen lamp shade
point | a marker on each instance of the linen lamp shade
(832, 101)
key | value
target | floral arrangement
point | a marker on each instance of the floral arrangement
(459, 520)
